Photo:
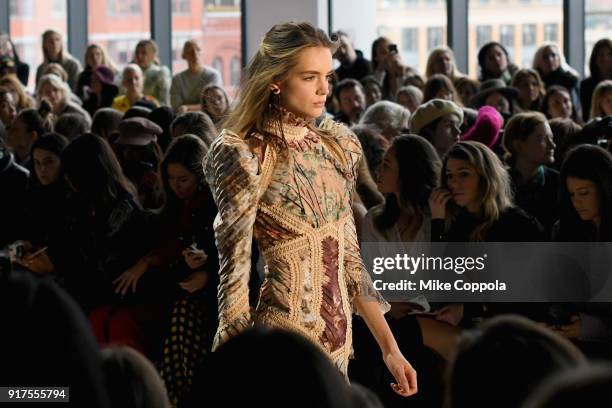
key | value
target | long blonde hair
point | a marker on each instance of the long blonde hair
(494, 182)
(600, 92)
(431, 60)
(277, 55)
(106, 59)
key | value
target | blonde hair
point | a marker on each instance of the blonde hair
(494, 182)
(106, 59)
(23, 100)
(414, 94)
(537, 58)
(435, 54)
(57, 83)
(277, 55)
(57, 69)
(519, 127)
(62, 53)
(598, 94)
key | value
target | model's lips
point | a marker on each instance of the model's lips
(319, 103)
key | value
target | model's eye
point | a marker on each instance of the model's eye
(310, 78)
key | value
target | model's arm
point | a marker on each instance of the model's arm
(232, 172)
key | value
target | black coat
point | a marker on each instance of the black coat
(357, 70)
(13, 184)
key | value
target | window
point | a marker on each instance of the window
(123, 7)
(181, 6)
(118, 36)
(551, 32)
(597, 25)
(235, 69)
(29, 19)
(483, 35)
(410, 46)
(217, 64)
(416, 26)
(435, 37)
(20, 8)
(517, 24)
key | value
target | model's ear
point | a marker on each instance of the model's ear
(275, 88)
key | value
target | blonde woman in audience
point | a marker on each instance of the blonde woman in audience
(530, 88)
(22, 99)
(156, 77)
(53, 51)
(95, 56)
(133, 83)
(410, 97)
(442, 61)
(601, 104)
(57, 92)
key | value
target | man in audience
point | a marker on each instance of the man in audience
(352, 63)
(351, 98)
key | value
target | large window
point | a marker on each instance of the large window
(117, 26)
(597, 25)
(215, 25)
(29, 19)
(520, 25)
(416, 26)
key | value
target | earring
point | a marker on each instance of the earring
(275, 90)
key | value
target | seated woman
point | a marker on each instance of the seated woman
(95, 56)
(140, 156)
(410, 97)
(438, 121)
(104, 233)
(46, 201)
(493, 92)
(530, 88)
(558, 104)
(215, 103)
(27, 127)
(8, 108)
(529, 146)
(601, 104)
(133, 82)
(53, 51)
(600, 67)
(494, 63)
(102, 91)
(439, 86)
(441, 60)
(156, 77)
(475, 203)
(56, 91)
(21, 97)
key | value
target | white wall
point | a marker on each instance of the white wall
(261, 15)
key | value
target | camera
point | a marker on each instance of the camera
(392, 48)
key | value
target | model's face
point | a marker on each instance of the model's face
(144, 56)
(96, 58)
(560, 106)
(551, 61)
(216, 104)
(373, 93)
(446, 133)
(606, 103)
(8, 111)
(499, 102)
(539, 147)
(388, 173)
(183, 182)
(132, 81)
(496, 60)
(585, 198)
(47, 166)
(464, 184)
(53, 45)
(443, 64)
(603, 60)
(305, 88)
(352, 102)
(529, 89)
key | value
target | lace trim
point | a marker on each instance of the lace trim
(298, 131)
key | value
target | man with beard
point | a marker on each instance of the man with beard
(351, 100)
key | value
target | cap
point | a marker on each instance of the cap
(137, 131)
(431, 111)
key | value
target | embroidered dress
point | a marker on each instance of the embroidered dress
(297, 205)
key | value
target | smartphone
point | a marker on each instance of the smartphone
(392, 48)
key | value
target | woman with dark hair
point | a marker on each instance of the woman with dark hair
(600, 66)
(46, 201)
(105, 122)
(494, 63)
(53, 51)
(8, 107)
(28, 126)
(105, 232)
(586, 196)
(558, 104)
(372, 89)
(439, 86)
(530, 88)
(475, 201)
(7, 49)
(102, 90)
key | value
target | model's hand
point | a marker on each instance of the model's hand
(403, 372)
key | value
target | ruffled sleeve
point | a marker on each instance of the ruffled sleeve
(232, 171)
(359, 282)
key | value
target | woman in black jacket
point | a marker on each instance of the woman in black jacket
(600, 65)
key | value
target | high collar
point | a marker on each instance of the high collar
(295, 129)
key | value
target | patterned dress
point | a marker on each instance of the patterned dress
(297, 206)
